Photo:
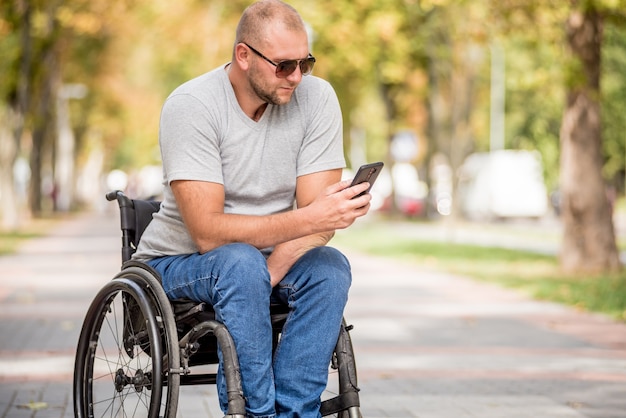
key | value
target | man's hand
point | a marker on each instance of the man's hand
(286, 254)
(337, 208)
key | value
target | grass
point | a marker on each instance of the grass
(534, 274)
(11, 240)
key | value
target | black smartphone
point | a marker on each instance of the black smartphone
(367, 173)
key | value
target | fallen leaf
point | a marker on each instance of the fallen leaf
(34, 406)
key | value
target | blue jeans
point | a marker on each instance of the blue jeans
(235, 280)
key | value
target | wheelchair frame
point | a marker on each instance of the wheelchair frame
(155, 342)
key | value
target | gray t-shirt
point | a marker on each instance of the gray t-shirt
(206, 136)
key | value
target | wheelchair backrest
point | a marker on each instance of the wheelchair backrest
(135, 215)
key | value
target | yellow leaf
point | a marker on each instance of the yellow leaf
(34, 406)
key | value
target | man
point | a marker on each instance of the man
(241, 145)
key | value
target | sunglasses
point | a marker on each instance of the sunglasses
(285, 68)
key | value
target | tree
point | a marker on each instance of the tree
(589, 234)
(15, 47)
(35, 50)
(455, 39)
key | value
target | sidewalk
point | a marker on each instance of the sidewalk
(428, 344)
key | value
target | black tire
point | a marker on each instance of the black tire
(119, 359)
(147, 279)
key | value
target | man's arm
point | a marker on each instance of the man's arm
(201, 205)
(286, 254)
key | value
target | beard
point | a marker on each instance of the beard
(263, 91)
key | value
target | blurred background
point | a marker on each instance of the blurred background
(481, 110)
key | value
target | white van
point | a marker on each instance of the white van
(502, 184)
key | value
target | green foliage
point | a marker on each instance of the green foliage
(534, 101)
(10, 52)
(421, 65)
(613, 88)
(538, 75)
(371, 51)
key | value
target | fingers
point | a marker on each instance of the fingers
(358, 190)
(344, 185)
(337, 187)
(362, 204)
(359, 199)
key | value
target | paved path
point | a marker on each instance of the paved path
(428, 344)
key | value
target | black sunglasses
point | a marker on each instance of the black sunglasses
(285, 68)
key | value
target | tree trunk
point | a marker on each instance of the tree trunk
(589, 236)
(43, 135)
(46, 80)
(9, 211)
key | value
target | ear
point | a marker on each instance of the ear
(242, 56)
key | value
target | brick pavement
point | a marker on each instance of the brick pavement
(428, 344)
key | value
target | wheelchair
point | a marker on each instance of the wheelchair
(137, 347)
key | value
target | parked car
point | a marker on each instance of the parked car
(503, 184)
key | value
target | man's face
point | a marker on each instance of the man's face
(286, 45)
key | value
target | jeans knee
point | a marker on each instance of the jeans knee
(330, 269)
(245, 269)
(240, 253)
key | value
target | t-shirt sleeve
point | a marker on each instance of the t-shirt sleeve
(322, 148)
(189, 141)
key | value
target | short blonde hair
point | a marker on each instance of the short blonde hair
(261, 15)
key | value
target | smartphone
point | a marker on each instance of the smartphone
(367, 173)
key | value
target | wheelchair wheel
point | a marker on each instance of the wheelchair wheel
(122, 365)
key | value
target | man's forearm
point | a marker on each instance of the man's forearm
(286, 254)
(259, 231)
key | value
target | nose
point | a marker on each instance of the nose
(296, 76)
